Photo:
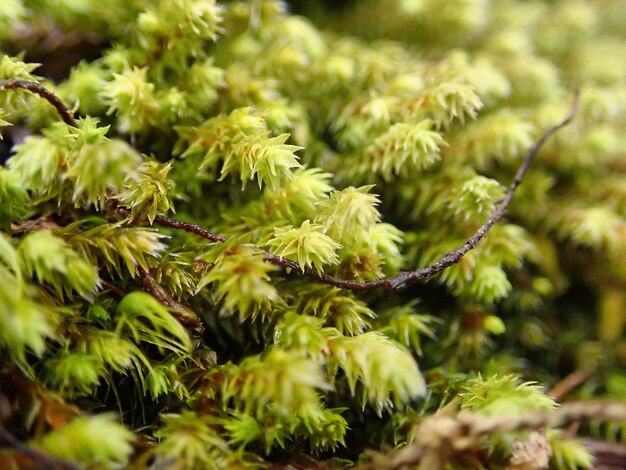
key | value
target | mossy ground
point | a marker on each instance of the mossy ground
(184, 246)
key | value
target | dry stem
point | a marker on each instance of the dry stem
(397, 282)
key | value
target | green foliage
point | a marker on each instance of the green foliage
(306, 245)
(387, 373)
(73, 372)
(407, 327)
(189, 439)
(476, 197)
(131, 96)
(283, 378)
(354, 141)
(338, 308)
(500, 136)
(143, 318)
(402, 149)
(568, 453)
(13, 199)
(146, 191)
(25, 322)
(243, 146)
(241, 277)
(110, 349)
(498, 395)
(12, 11)
(303, 333)
(113, 158)
(349, 212)
(36, 164)
(50, 259)
(119, 249)
(95, 440)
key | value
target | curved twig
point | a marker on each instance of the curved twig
(181, 312)
(442, 435)
(403, 279)
(34, 87)
(397, 282)
(41, 459)
(571, 381)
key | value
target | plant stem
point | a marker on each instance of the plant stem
(34, 87)
(397, 282)
(406, 278)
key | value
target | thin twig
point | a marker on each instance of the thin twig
(34, 87)
(449, 259)
(272, 258)
(112, 206)
(607, 455)
(41, 459)
(397, 282)
(177, 224)
(181, 312)
(571, 381)
(564, 386)
(116, 291)
(403, 279)
(441, 436)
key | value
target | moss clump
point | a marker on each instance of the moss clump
(201, 261)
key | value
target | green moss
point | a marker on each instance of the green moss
(351, 142)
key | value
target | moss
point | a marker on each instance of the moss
(271, 182)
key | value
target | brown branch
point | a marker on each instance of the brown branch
(449, 259)
(41, 459)
(181, 312)
(607, 455)
(116, 291)
(112, 206)
(34, 87)
(571, 381)
(442, 436)
(396, 282)
(564, 386)
(177, 224)
(271, 257)
(405, 278)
